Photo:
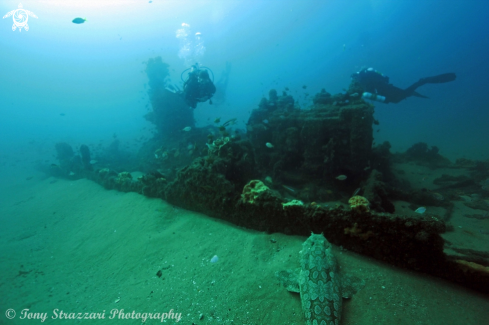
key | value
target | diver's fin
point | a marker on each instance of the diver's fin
(441, 78)
(416, 94)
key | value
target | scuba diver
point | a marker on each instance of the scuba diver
(376, 86)
(198, 87)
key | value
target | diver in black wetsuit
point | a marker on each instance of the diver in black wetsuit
(376, 86)
(198, 87)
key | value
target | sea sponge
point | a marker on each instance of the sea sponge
(359, 203)
(104, 172)
(293, 203)
(124, 178)
(217, 146)
(355, 231)
(253, 190)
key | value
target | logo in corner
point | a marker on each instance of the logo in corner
(20, 17)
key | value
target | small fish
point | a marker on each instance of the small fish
(217, 120)
(304, 87)
(79, 20)
(485, 185)
(288, 188)
(269, 145)
(93, 162)
(62, 114)
(438, 196)
(265, 121)
(214, 259)
(71, 174)
(354, 95)
(230, 122)
(186, 129)
(420, 210)
(341, 177)
(357, 191)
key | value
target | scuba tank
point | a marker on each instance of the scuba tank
(377, 98)
(197, 67)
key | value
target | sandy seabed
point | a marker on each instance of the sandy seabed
(73, 246)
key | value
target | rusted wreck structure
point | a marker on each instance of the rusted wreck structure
(280, 177)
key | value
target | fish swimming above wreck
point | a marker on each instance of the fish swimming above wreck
(79, 20)
(319, 282)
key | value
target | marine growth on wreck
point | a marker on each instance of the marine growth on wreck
(301, 170)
